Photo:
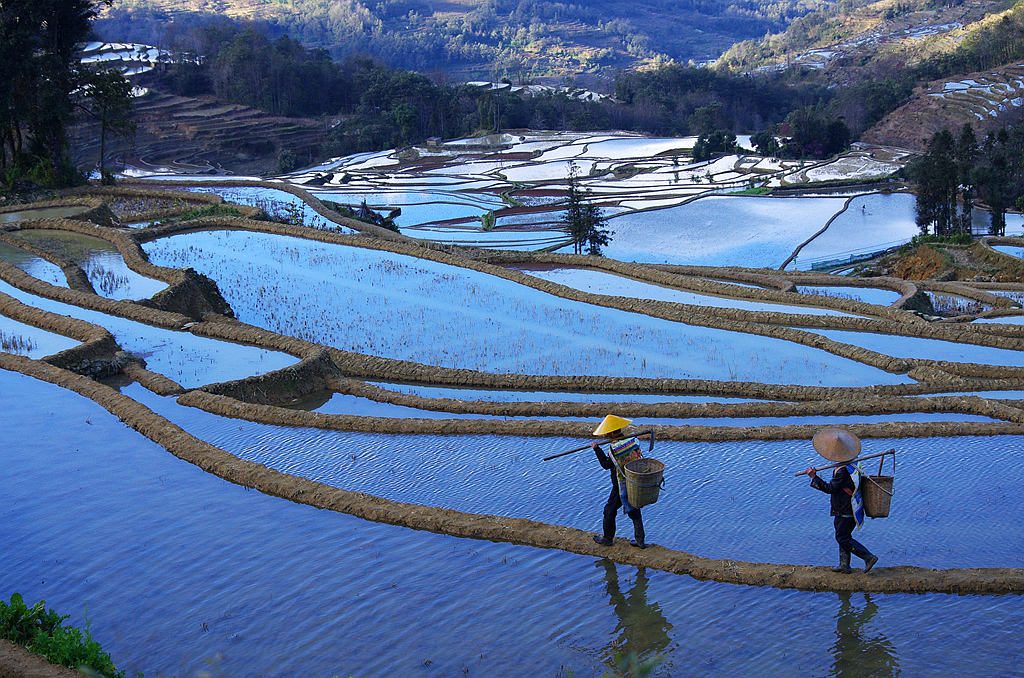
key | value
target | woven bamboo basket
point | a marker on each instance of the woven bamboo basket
(644, 480)
(876, 491)
(877, 494)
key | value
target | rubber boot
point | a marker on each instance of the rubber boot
(844, 563)
(869, 558)
(638, 534)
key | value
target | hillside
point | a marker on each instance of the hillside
(200, 135)
(870, 40)
(471, 39)
(987, 101)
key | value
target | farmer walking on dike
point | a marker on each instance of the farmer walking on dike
(623, 450)
(839, 445)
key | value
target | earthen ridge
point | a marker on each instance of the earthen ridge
(902, 579)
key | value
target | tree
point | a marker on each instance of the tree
(936, 176)
(719, 141)
(706, 119)
(765, 143)
(583, 219)
(995, 176)
(38, 74)
(966, 158)
(108, 100)
(813, 133)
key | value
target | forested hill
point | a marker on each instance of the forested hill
(474, 39)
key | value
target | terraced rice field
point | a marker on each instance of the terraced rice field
(399, 386)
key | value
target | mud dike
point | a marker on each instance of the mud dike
(193, 304)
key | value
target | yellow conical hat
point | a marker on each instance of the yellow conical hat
(611, 423)
(836, 444)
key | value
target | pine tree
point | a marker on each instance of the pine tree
(583, 220)
(966, 158)
(936, 176)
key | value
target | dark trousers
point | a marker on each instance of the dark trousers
(612, 507)
(844, 535)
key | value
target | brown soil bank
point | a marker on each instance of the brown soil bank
(512, 530)
(17, 662)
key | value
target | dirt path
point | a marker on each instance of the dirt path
(17, 662)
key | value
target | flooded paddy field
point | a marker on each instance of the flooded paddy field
(386, 304)
(185, 571)
(449, 471)
(41, 213)
(181, 570)
(600, 282)
(21, 339)
(99, 259)
(339, 403)
(35, 266)
(182, 357)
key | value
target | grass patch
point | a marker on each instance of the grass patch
(758, 190)
(42, 631)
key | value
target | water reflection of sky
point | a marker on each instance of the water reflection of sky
(36, 267)
(29, 341)
(184, 357)
(402, 307)
(180, 568)
(100, 260)
(600, 282)
(716, 494)
(339, 403)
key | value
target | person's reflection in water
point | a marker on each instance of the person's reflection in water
(642, 628)
(855, 654)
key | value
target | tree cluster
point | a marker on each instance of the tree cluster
(955, 173)
(371, 105)
(809, 132)
(44, 86)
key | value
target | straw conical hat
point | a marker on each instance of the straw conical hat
(611, 423)
(836, 444)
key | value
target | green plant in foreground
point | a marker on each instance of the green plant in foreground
(41, 631)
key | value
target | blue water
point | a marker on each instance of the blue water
(716, 494)
(181, 570)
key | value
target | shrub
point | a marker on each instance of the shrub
(41, 631)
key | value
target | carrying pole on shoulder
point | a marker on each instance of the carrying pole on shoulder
(585, 447)
(852, 461)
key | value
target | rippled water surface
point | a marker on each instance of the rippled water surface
(527, 396)
(600, 282)
(716, 496)
(186, 358)
(339, 403)
(412, 309)
(180, 569)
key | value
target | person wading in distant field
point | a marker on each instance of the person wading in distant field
(839, 445)
(623, 450)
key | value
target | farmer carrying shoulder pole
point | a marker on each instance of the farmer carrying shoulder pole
(839, 445)
(623, 450)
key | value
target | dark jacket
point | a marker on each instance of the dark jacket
(841, 481)
(606, 462)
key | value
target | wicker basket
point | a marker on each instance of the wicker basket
(877, 494)
(644, 480)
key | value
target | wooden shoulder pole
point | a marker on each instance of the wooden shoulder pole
(852, 461)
